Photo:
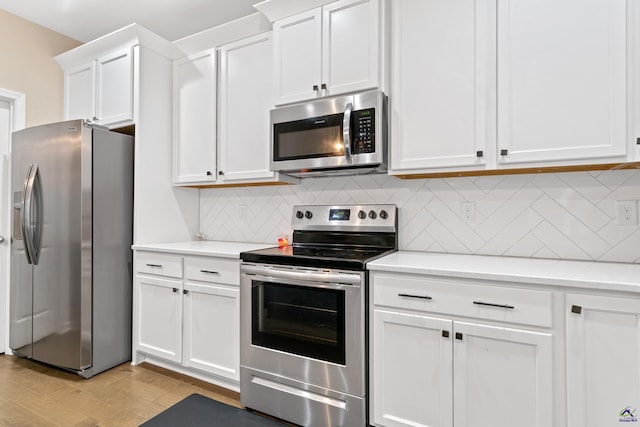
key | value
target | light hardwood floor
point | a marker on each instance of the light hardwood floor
(33, 395)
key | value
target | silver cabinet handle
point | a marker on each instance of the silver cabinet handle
(155, 265)
(1, 239)
(488, 304)
(346, 131)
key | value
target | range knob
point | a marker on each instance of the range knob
(372, 214)
(308, 214)
(299, 215)
(362, 214)
(384, 214)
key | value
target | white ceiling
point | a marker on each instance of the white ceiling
(85, 20)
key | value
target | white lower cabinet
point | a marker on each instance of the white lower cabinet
(431, 369)
(159, 323)
(188, 316)
(409, 352)
(603, 360)
(211, 329)
(502, 377)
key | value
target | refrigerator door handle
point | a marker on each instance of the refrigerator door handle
(31, 214)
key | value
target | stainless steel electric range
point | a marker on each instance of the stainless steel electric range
(303, 316)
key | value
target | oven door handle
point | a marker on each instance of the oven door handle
(307, 276)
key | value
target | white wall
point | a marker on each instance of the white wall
(561, 215)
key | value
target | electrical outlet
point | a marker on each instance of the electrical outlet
(468, 212)
(627, 212)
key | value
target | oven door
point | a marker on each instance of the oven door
(305, 325)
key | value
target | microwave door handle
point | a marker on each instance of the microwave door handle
(346, 131)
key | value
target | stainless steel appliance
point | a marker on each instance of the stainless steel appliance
(332, 136)
(303, 316)
(70, 302)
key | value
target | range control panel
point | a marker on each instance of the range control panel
(381, 218)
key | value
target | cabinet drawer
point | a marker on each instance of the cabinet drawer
(159, 264)
(215, 270)
(463, 298)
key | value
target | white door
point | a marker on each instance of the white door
(603, 350)
(503, 377)
(297, 42)
(12, 117)
(79, 92)
(159, 317)
(562, 80)
(350, 46)
(212, 329)
(114, 88)
(246, 96)
(411, 371)
(194, 119)
(441, 113)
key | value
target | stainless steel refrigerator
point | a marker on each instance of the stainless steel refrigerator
(71, 280)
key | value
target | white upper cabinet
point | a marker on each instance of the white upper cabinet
(222, 99)
(440, 89)
(327, 51)
(80, 94)
(194, 119)
(482, 84)
(245, 98)
(114, 87)
(101, 90)
(562, 80)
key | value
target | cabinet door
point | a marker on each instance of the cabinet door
(441, 105)
(79, 88)
(246, 96)
(562, 80)
(411, 370)
(211, 329)
(194, 119)
(351, 45)
(159, 317)
(297, 55)
(503, 377)
(114, 88)
(603, 354)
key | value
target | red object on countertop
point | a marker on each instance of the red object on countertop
(283, 241)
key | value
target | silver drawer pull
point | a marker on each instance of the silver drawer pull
(155, 265)
(209, 272)
(415, 296)
(488, 304)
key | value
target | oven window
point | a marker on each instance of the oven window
(297, 319)
(309, 138)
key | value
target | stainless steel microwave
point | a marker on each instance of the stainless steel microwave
(342, 135)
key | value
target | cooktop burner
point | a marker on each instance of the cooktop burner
(335, 237)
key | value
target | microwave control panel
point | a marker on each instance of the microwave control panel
(364, 131)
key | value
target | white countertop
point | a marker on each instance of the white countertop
(584, 274)
(204, 248)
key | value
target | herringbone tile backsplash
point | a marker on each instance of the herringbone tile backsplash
(562, 215)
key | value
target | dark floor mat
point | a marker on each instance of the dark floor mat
(198, 410)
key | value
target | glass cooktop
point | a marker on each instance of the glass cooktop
(316, 257)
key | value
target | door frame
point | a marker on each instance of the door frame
(17, 112)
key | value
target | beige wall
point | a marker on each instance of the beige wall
(27, 66)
